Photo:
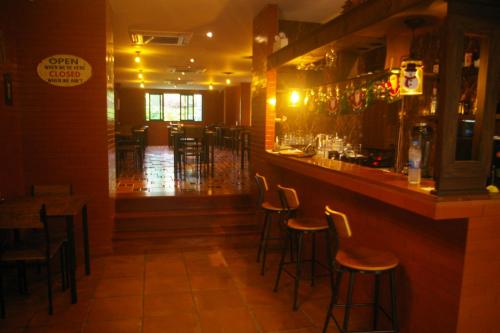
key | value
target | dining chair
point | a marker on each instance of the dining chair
(25, 216)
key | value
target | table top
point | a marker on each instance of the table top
(55, 205)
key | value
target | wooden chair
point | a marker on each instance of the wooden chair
(28, 215)
(269, 209)
(360, 260)
(192, 146)
(297, 228)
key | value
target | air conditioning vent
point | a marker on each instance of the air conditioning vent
(185, 69)
(143, 37)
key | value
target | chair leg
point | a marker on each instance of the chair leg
(333, 300)
(313, 262)
(287, 238)
(348, 305)
(394, 303)
(376, 288)
(264, 244)
(262, 232)
(298, 272)
(49, 287)
(2, 300)
(329, 257)
(62, 256)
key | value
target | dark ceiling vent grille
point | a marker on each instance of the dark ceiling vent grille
(143, 37)
(186, 69)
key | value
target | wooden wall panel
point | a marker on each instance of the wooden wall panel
(11, 150)
(66, 129)
(246, 106)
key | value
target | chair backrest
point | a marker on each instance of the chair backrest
(289, 198)
(261, 186)
(195, 132)
(22, 215)
(338, 222)
(37, 190)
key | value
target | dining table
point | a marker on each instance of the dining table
(67, 207)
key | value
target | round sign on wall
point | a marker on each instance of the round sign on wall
(64, 70)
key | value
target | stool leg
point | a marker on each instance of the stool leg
(313, 262)
(264, 244)
(2, 301)
(348, 305)
(298, 271)
(394, 303)
(329, 257)
(376, 300)
(263, 231)
(333, 300)
(288, 238)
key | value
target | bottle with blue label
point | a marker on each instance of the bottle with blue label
(414, 159)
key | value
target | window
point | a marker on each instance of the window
(174, 107)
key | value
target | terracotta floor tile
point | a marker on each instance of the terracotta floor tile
(124, 326)
(115, 308)
(212, 280)
(119, 287)
(274, 318)
(168, 266)
(121, 270)
(162, 305)
(208, 300)
(264, 295)
(178, 323)
(59, 328)
(166, 284)
(315, 309)
(66, 312)
(222, 321)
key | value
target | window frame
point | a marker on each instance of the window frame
(187, 108)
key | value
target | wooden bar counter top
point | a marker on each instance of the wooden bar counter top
(448, 247)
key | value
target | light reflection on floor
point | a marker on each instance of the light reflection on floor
(157, 177)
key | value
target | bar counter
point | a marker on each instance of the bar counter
(447, 246)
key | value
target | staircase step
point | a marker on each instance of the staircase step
(188, 232)
(188, 202)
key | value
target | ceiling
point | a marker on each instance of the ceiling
(226, 55)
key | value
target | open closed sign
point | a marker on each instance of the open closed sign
(64, 70)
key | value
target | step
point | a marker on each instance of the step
(151, 221)
(223, 231)
(188, 202)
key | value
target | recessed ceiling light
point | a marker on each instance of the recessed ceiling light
(211, 87)
(137, 57)
(210, 34)
(140, 75)
(191, 60)
(228, 81)
(183, 73)
(179, 78)
(142, 85)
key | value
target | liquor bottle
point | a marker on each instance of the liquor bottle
(434, 99)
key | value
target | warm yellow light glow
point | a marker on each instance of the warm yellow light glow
(294, 98)
(140, 76)
(211, 87)
(191, 60)
(228, 81)
(271, 101)
(178, 78)
(411, 77)
(142, 85)
(210, 34)
(137, 59)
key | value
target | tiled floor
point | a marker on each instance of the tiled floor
(157, 176)
(192, 290)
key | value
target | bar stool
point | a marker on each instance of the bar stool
(353, 261)
(268, 209)
(245, 146)
(297, 228)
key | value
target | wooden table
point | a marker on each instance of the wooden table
(67, 206)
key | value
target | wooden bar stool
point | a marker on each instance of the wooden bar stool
(268, 209)
(297, 228)
(363, 261)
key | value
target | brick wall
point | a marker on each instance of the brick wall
(66, 130)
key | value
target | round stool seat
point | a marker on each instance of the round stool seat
(269, 206)
(365, 259)
(307, 224)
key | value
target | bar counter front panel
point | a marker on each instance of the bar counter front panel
(446, 246)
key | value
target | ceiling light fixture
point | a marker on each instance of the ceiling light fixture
(210, 34)
(210, 87)
(179, 78)
(228, 81)
(137, 58)
(140, 75)
(191, 60)
(142, 85)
